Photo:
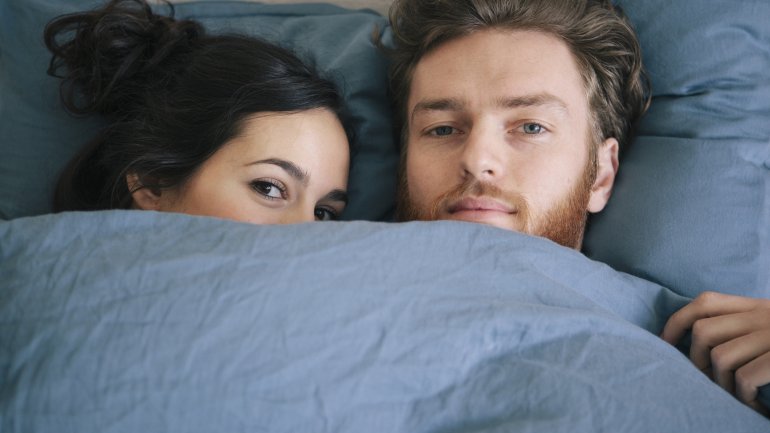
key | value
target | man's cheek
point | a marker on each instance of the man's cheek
(419, 190)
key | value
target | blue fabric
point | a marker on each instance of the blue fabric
(128, 321)
(37, 137)
(691, 205)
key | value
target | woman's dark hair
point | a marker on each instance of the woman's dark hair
(173, 96)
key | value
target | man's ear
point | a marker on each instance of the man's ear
(606, 169)
(143, 198)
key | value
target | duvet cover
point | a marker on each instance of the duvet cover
(127, 321)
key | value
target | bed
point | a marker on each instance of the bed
(126, 321)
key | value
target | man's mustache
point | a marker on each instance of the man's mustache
(473, 188)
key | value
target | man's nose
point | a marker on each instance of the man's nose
(483, 155)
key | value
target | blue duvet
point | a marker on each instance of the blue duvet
(130, 321)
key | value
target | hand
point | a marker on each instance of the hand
(730, 341)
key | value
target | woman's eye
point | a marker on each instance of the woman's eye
(324, 214)
(269, 189)
(442, 131)
(533, 128)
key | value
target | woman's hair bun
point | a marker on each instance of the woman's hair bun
(110, 58)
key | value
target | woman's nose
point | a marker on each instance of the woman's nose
(299, 214)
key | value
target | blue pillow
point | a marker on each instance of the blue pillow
(37, 137)
(691, 206)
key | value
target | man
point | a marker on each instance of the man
(513, 113)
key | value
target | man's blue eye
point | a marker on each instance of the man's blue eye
(443, 130)
(533, 128)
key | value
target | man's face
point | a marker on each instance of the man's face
(499, 133)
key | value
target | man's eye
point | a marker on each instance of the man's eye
(325, 214)
(533, 128)
(269, 189)
(442, 131)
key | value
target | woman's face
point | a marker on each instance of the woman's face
(284, 168)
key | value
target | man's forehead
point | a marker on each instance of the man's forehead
(501, 69)
(486, 48)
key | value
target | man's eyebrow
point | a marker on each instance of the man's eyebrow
(451, 104)
(289, 167)
(436, 105)
(536, 100)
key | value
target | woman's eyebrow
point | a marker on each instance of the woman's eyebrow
(336, 195)
(289, 167)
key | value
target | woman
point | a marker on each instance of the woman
(225, 126)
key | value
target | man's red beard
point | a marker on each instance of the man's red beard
(564, 223)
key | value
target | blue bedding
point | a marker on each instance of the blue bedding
(129, 321)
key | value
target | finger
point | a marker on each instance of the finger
(750, 377)
(707, 304)
(710, 333)
(729, 357)
(725, 380)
